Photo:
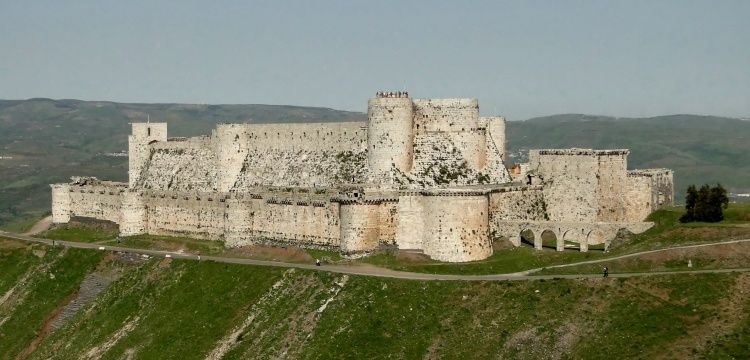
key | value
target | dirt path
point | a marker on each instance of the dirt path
(40, 226)
(387, 273)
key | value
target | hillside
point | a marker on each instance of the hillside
(131, 307)
(700, 149)
(43, 141)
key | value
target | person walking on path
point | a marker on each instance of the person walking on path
(606, 271)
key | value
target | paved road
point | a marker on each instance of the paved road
(381, 272)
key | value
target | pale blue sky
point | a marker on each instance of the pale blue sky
(519, 58)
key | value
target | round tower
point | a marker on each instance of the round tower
(390, 117)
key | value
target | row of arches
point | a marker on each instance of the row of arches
(562, 239)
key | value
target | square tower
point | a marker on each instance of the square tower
(143, 134)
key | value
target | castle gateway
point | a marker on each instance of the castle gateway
(424, 174)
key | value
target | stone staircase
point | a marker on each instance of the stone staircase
(91, 286)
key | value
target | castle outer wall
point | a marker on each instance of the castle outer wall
(425, 175)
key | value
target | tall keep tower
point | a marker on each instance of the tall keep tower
(142, 135)
(390, 137)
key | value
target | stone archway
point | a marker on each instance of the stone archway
(549, 239)
(527, 237)
(573, 236)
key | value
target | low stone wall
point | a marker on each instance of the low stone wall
(102, 201)
(185, 214)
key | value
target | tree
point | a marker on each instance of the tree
(690, 200)
(705, 204)
(718, 201)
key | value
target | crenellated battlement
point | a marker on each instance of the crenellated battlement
(576, 151)
(392, 94)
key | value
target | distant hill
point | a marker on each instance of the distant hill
(701, 149)
(50, 140)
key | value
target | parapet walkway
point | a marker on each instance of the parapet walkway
(387, 273)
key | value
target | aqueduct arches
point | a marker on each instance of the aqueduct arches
(545, 233)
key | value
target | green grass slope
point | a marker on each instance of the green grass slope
(42, 282)
(167, 309)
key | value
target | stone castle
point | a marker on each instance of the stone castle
(421, 174)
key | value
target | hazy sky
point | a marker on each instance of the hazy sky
(519, 58)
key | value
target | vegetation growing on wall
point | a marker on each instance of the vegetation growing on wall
(352, 166)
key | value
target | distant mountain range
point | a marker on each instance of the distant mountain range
(44, 141)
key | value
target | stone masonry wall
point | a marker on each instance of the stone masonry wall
(189, 165)
(103, 201)
(142, 135)
(496, 157)
(306, 224)
(134, 217)
(60, 203)
(302, 221)
(495, 126)
(388, 222)
(303, 168)
(232, 145)
(457, 228)
(518, 203)
(310, 155)
(611, 187)
(389, 136)
(199, 216)
(410, 230)
(457, 119)
(638, 196)
(254, 154)
(360, 228)
(582, 184)
(570, 182)
(662, 186)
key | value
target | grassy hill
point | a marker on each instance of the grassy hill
(700, 149)
(164, 308)
(50, 140)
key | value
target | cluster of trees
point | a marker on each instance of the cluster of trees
(706, 204)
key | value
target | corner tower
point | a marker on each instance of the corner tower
(142, 135)
(390, 138)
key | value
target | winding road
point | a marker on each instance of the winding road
(365, 270)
